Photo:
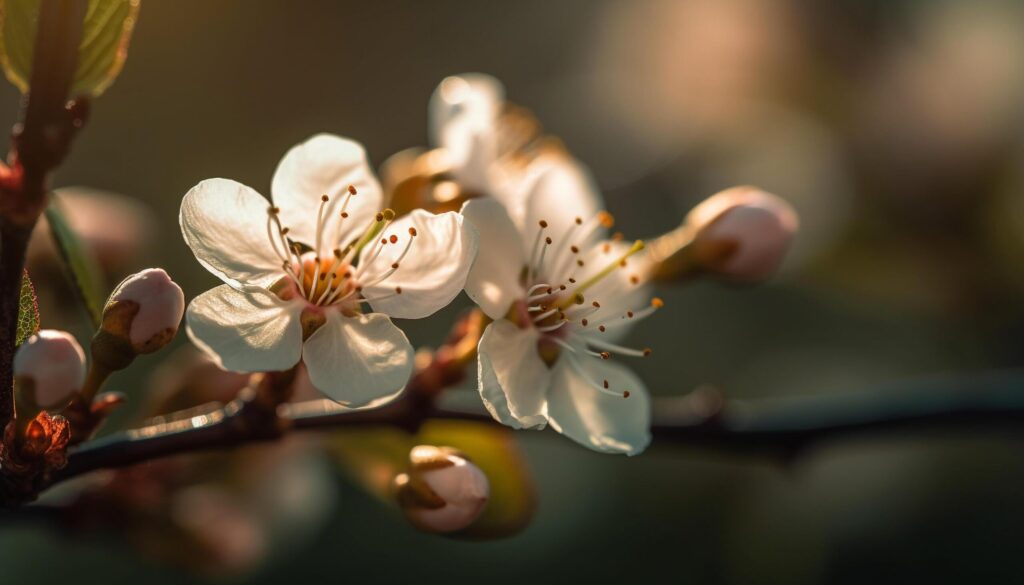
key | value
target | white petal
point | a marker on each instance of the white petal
(561, 190)
(513, 379)
(493, 282)
(463, 115)
(325, 165)
(360, 360)
(603, 422)
(431, 274)
(249, 330)
(225, 224)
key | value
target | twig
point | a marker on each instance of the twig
(702, 419)
(39, 143)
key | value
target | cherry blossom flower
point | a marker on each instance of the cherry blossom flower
(561, 295)
(318, 275)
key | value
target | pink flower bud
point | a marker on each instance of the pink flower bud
(746, 230)
(51, 363)
(444, 491)
(161, 305)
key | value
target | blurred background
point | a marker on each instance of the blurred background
(895, 128)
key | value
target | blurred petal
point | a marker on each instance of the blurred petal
(595, 419)
(561, 190)
(463, 120)
(224, 223)
(249, 330)
(358, 360)
(431, 274)
(325, 165)
(493, 282)
(513, 379)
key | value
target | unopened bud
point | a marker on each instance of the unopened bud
(742, 233)
(160, 307)
(49, 367)
(443, 491)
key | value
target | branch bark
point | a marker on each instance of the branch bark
(781, 428)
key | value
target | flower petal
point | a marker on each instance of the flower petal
(513, 379)
(249, 330)
(225, 224)
(595, 419)
(431, 274)
(463, 115)
(325, 165)
(493, 282)
(561, 190)
(360, 360)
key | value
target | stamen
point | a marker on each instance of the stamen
(320, 222)
(602, 386)
(636, 247)
(554, 327)
(533, 251)
(611, 347)
(545, 315)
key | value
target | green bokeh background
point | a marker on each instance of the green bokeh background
(894, 127)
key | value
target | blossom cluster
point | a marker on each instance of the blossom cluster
(316, 273)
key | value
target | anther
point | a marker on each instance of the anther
(625, 394)
(634, 279)
(629, 314)
(344, 214)
(561, 287)
(606, 384)
(412, 232)
(572, 281)
(383, 241)
(596, 304)
(601, 328)
(579, 220)
(657, 303)
(543, 224)
(398, 290)
(337, 252)
(547, 240)
(647, 351)
(584, 322)
(618, 236)
(351, 190)
(605, 355)
(579, 263)
(393, 239)
(607, 248)
(606, 219)
(324, 198)
(575, 249)
(284, 231)
(380, 216)
(395, 265)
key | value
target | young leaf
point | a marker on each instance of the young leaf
(374, 457)
(79, 262)
(106, 31)
(28, 311)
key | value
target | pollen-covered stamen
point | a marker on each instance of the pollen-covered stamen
(603, 273)
(608, 348)
(603, 386)
(394, 265)
(564, 259)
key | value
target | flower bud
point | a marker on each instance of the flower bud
(742, 233)
(161, 305)
(443, 491)
(49, 367)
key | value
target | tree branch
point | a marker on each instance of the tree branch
(39, 143)
(703, 419)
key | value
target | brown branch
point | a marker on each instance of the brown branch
(39, 144)
(702, 419)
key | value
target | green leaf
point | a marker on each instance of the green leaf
(79, 262)
(28, 311)
(106, 31)
(375, 456)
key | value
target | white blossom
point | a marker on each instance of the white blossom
(318, 274)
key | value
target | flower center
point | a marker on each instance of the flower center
(337, 277)
(565, 284)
